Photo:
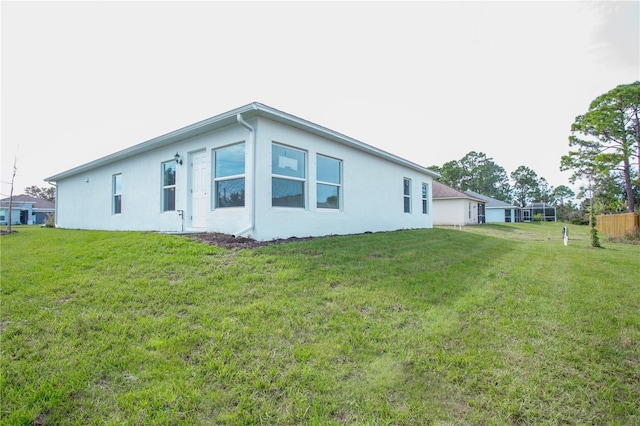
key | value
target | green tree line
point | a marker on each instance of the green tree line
(479, 173)
(604, 159)
(605, 150)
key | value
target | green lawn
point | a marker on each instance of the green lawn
(494, 324)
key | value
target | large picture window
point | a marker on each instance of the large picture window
(117, 193)
(407, 195)
(328, 182)
(168, 186)
(288, 169)
(229, 176)
(425, 198)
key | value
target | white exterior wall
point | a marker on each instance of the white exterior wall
(371, 199)
(495, 215)
(85, 200)
(372, 190)
(454, 211)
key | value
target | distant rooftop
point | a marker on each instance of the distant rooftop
(38, 203)
(491, 203)
(441, 191)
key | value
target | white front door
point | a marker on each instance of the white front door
(199, 189)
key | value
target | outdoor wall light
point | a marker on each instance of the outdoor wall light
(178, 159)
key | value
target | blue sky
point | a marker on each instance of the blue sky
(428, 81)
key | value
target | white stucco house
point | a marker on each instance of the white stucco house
(253, 171)
(453, 207)
(497, 211)
(25, 210)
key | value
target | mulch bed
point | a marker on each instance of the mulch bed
(226, 240)
(231, 242)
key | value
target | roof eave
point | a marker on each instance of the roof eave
(460, 198)
(291, 120)
(502, 207)
(228, 118)
(191, 130)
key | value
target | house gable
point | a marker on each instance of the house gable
(291, 178)
(453, 207)
(229, 118)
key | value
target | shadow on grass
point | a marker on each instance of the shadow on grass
(432, 265)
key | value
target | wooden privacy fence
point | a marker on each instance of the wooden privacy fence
(619, 225)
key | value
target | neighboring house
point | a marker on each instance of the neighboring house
(253, 171)
(25, 210)
(547, 212)
(453, 207)
(497, 211)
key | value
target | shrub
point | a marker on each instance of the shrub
(51, 220)
(633, 237)
(576, 218)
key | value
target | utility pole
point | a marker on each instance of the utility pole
(11, 196)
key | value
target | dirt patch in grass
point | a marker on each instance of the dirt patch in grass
(231, 242)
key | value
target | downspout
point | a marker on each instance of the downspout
(252, 142)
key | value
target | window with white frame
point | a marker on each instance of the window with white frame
(169, 186)
(116, 186)
(328, 182)
(229, 176)
(425, 198)
(407, 195)
(288, 176)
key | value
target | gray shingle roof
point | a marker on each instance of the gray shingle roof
(441, 190)
(38, 203)
(492, 203)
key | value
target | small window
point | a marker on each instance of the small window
(288, 169)
(328, 182)
(425, 198)
(117, 193)
(407, 195)
(168, 186)
(229, 176)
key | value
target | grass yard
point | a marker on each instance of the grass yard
(494, 324)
